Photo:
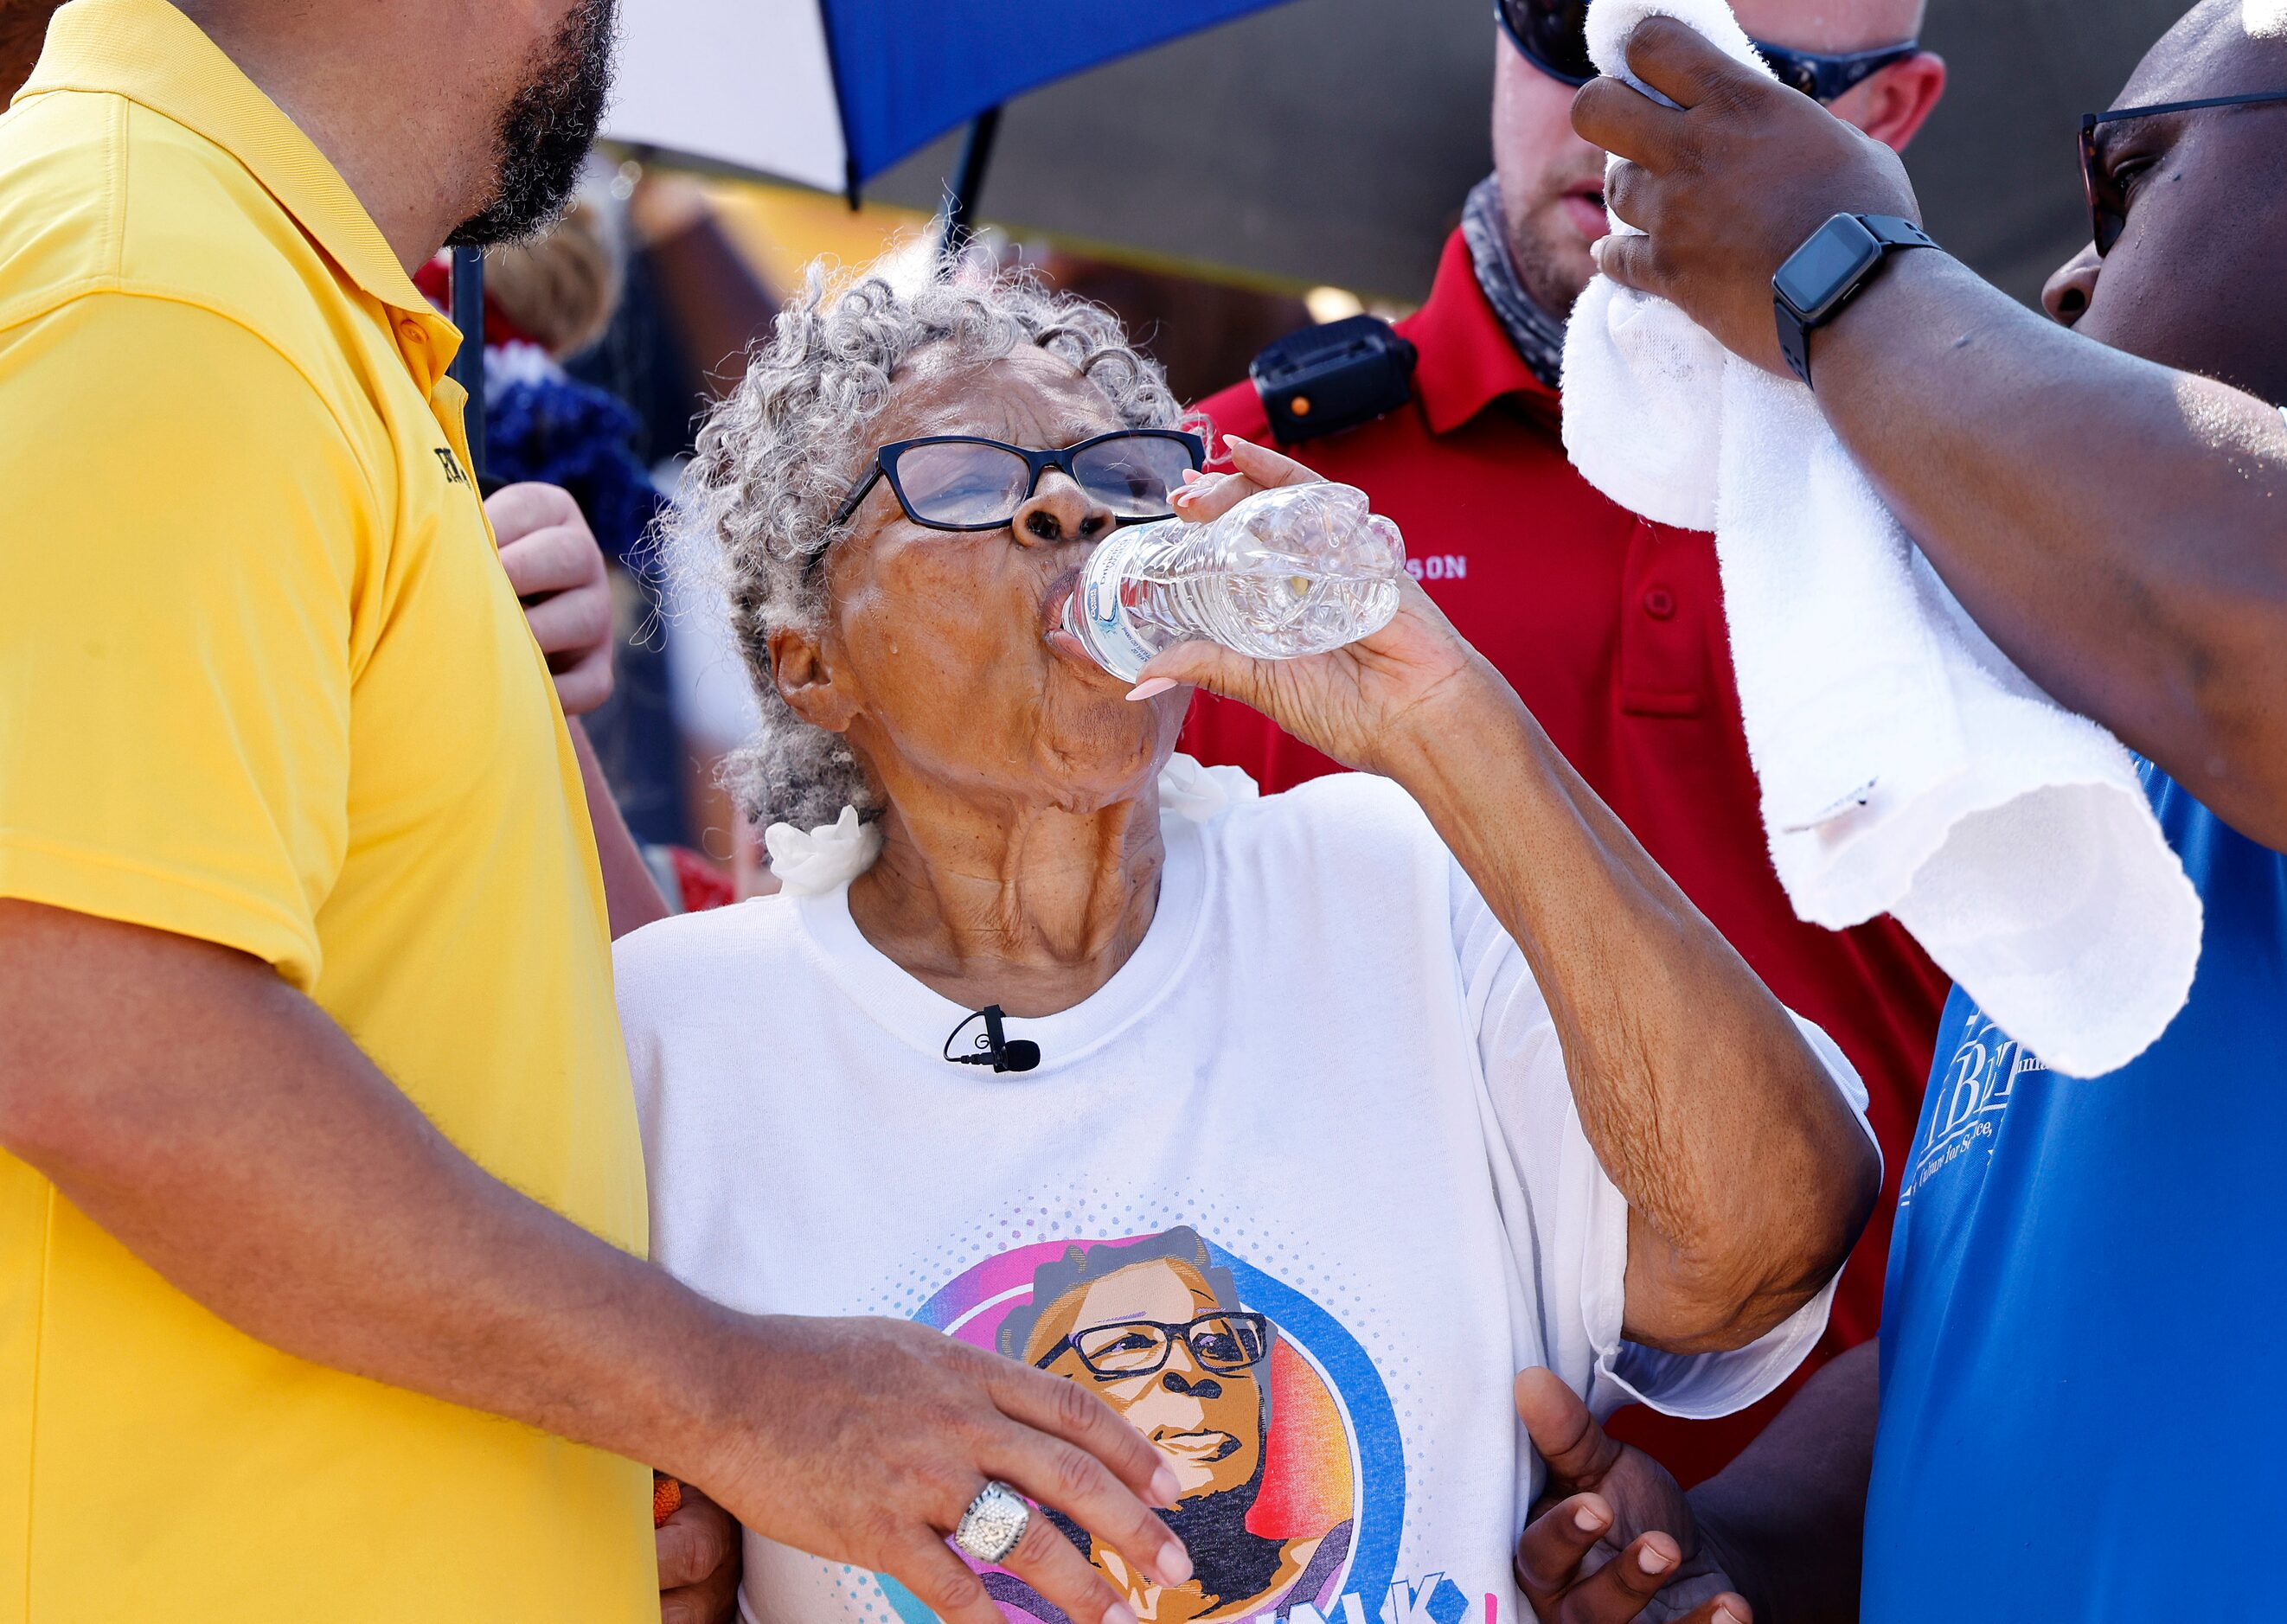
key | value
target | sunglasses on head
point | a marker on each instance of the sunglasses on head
(2109, 185)
(965, 481)
(1552, 35)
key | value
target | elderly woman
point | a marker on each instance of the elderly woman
(1349, 1102)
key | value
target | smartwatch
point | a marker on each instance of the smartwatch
(1826, 272)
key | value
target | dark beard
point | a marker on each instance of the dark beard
(1548, 284)
(547, 128)
(1232, 1563)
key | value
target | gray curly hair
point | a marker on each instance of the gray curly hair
(781, 453)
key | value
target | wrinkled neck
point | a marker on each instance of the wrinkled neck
(1029, 906)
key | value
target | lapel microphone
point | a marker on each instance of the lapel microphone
(996, 1049)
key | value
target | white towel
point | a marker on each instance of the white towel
(1906, 765)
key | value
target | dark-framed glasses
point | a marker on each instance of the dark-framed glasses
(1826, 78)
(1225, 1342)
(965, 481)
(1552, 35)
(2110, 186)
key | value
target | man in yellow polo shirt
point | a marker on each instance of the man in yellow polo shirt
(316, 1141)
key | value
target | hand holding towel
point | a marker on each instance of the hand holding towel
(1906, 766)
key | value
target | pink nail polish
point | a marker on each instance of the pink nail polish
(1150, 688)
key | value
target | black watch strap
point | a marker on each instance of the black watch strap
(1893, 230)
(1892, 233)
(1794, 338)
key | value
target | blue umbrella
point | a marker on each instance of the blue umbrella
(832, 92)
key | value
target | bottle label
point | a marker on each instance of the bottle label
(1115, 640)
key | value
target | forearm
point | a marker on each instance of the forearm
(229, 1134)
(1686, 1070)
(631, 895)
(1788, 1516)
(2118, 529)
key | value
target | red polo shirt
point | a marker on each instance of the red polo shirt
(1611, 629)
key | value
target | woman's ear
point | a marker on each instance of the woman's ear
(806, 680)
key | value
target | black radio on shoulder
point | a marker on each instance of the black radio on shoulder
(1324, 379)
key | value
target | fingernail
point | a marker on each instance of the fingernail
(1193, 475)
(1152, 688)
(1724, 1615)
(1587, 1519)
(1167, 1487)
(1119, 1613)
(1652, 1560)
(1228, 440)
(1174, 1563)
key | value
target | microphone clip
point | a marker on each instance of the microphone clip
(998, 1051)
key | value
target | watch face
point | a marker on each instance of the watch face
(1827, 266)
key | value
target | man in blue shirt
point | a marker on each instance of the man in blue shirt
(2073, 1259)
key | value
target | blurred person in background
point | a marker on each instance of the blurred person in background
(692, 304)
(2105, 493)
(1611, 627)
(322, 1201)
(547, 302)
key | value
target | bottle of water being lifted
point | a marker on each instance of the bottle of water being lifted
(1295, 570)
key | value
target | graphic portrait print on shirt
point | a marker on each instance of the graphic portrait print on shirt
(1274, 1418)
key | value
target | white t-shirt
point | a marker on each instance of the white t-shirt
(1298, 1191)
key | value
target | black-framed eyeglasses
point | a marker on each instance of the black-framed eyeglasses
(1225, 1342)
(965, 481)
(1552, 35)
(2108, 190)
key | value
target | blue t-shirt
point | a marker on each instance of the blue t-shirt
(2086, 1320)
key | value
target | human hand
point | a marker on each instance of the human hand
(1612, 1538)
(698, 1562)
(864, 1441)
(1727, 185)
(1362, 703)
(557, 571)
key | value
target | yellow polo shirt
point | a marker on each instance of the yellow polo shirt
(263, 683)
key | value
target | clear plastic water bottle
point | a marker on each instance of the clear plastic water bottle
(1296, 570)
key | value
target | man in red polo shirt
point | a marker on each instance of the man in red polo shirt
(1611, 627)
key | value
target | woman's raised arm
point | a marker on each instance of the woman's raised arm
(1748, 1177)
